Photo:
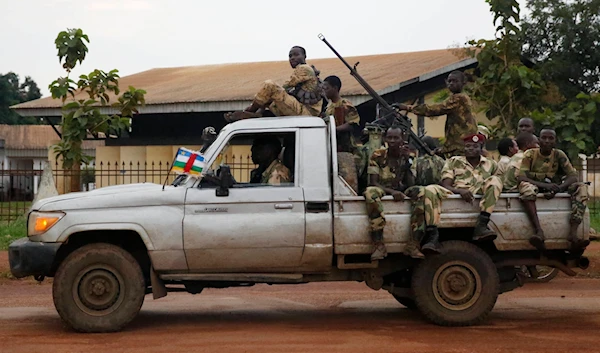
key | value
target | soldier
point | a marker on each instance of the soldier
(507, 148)
(510, 178)
(300, 95)
(271, 170)
(526, 125)
(427, 170)
(466, 176)
(457, 108)
(389, 174)
(347, 120)
(549, 170)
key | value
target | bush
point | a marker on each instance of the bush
(12, 231)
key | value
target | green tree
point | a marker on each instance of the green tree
(81, 117)
(12, 92)
(563, 37)
(510, 87)
(505, 87)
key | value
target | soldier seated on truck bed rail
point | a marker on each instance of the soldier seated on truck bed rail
(466, 176)
(300, 95)
(389, 174)
(427, 170)
(548, 170)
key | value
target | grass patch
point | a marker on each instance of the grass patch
(12, 231)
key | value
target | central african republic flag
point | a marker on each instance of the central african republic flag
(188, 161)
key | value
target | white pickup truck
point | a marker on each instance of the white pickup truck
(108, 248)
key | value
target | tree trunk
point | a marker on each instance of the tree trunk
(76, 177)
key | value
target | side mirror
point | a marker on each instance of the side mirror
(225, 181)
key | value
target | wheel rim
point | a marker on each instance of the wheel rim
(98, 290)
(545, 272)
(456, 285)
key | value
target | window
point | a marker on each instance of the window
(260, 159)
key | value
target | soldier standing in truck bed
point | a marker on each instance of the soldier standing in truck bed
(459, 118)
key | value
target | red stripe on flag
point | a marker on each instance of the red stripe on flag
(190, 163)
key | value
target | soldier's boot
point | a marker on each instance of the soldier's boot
(538, 239)
(379, 249)
(482, 232)
(433, 241)
(412, 247)
(576, 243)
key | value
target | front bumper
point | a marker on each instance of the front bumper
(30, 258)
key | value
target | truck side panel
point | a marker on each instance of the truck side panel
(508, 220)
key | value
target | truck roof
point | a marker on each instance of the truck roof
(279, 122)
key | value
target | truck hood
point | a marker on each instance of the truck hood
(130, 195)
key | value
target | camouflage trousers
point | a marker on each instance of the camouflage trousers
(428, 205)
(373, 196)
(579, 197)
(280, 102)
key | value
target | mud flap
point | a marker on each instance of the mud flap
(159, 289)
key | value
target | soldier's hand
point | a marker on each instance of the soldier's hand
(553, 187)
(549, 195)
(466, 195)
(398, 196)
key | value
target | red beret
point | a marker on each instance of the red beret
(474, 138)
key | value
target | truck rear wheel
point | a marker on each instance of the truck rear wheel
(458, 287)
(98, 288)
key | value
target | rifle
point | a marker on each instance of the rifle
(392, 114)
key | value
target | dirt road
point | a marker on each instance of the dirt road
(562, 316)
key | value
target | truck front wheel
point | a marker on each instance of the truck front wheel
(458, 287)
(98, 288)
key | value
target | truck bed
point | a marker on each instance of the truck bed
(351, 227)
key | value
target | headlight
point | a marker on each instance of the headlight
(39, 222)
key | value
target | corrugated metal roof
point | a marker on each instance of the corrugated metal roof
(34, 137)
(240, 81)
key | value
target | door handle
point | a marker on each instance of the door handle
(284, 206)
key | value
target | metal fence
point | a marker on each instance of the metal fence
(19, 179)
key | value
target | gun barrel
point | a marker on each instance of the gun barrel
(392, 114)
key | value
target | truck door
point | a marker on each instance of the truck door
(257, 227)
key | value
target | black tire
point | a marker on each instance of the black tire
(458, 287)
(409, 303)
(98, 288)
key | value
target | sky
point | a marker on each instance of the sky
(138, 35)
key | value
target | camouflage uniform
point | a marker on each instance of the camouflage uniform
(282, 103)
(510, 178)
(552, 169)
(459, 121)
(502, 165)
(479, 180)
(275, 174)
(344, 113)
(393, 179)
(428, 173)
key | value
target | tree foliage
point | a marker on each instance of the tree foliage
(82, 117)
(13, 91)
(562, 37)
(509, 86)
(506, 88)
